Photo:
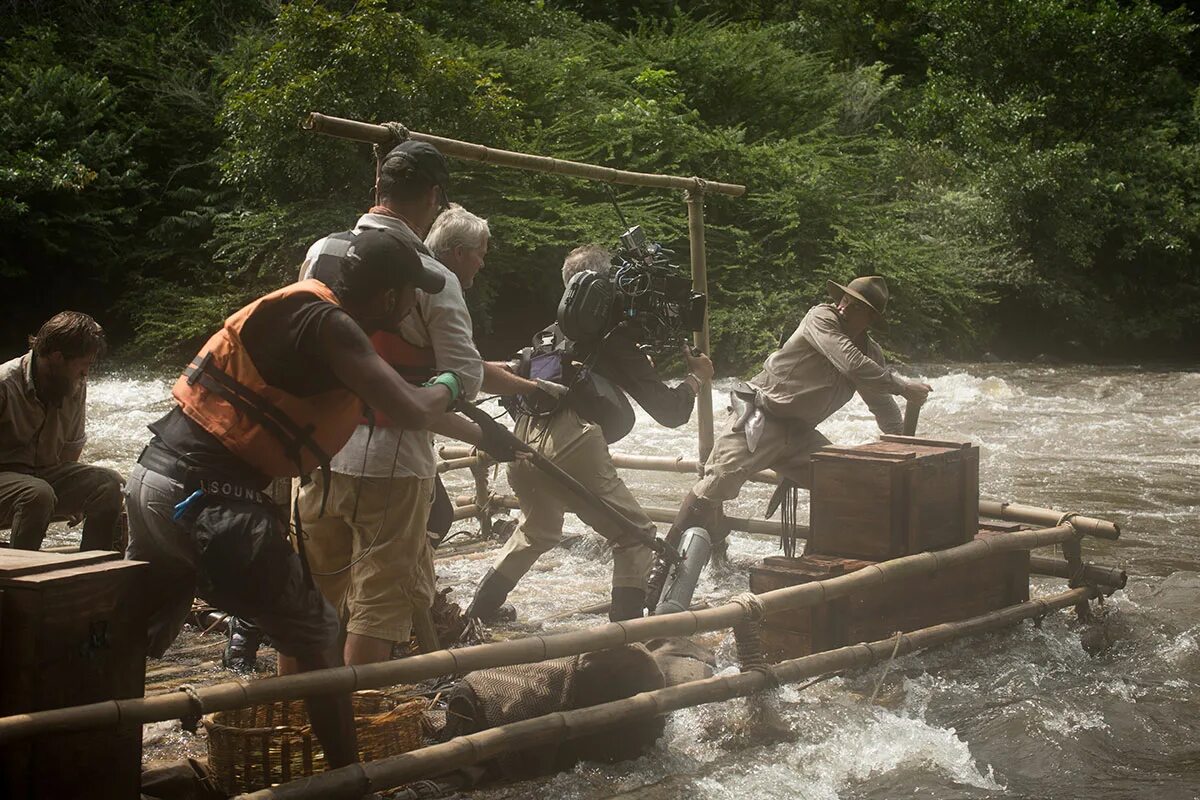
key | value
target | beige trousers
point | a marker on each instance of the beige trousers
(785, 447)
(579, 449)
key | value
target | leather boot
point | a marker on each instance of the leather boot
(627, 603)
(241, 649)
(488, 604)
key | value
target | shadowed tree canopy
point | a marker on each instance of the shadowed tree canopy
(1024, 174)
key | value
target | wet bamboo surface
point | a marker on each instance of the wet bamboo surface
(354, 781)
(233, 695)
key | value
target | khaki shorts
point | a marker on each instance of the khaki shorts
(784, 447)
(368, 553)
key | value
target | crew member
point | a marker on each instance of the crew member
(574, 437)
(43, 410)
(815, 372)
(272, 394)
(367, 544)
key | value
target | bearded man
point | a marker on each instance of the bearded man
(43, 415)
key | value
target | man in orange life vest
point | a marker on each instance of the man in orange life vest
(369, 551)
(272, 394)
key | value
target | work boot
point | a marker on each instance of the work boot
(627, 603)
(488, 604)
(241, 651)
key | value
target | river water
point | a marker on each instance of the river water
(1027, 713)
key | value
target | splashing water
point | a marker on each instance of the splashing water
(1026, 713)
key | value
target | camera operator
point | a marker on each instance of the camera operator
(575, 436)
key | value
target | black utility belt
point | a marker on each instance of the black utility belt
(199, 483)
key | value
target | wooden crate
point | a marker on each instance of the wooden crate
(898, 496)
(806, 630)
(72, 631)
(965, 591)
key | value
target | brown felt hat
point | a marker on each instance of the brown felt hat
(871, 290)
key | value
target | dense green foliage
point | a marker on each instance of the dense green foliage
(1024, 173)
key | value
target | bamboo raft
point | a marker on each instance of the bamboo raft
(76, 728)
(198, 700)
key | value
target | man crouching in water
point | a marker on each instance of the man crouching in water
(576, 439)
(816, 371)
(273, 394)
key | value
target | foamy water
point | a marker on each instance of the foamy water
(1026, 713)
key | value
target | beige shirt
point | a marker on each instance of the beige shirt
(440, 321)
(819, 368)
(33, 435)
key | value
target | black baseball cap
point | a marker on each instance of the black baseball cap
(394, 261)
(425, 159)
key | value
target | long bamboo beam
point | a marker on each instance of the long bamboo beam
(340, 680)
(1032, 515)
(699, 258)
(992, 509)
(352, 782)
(379, 134)
(665, 515)
(1109, 577)
(686, 466)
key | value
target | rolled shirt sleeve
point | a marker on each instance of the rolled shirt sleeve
(448, 327)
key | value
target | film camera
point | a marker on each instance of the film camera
(642, 288)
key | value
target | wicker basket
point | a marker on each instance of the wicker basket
(253, 748)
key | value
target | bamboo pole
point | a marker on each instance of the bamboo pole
(704, 409)
(665, 515)
(352, 782)
(449, 465)
(483, 496)
(1109, 577)
(465, 511)
(1031, 515)
(993, 509)
(340, 680)
(643, 463)
(379, 134)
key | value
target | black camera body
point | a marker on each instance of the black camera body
(642, 288)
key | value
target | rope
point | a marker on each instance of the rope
(752, 603)
(399, 134)
(190, 722)
(1066, 518)
(887, 667)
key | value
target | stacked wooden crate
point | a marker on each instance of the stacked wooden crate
(72, 631)
(879, 501)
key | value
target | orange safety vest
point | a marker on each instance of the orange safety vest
(275, 432)
(415, 364)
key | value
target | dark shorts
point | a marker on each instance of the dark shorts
(233, 554)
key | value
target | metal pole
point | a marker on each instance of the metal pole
(704, 409)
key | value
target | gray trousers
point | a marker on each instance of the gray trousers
(30, 499)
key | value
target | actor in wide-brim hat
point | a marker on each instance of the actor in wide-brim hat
(871, 291)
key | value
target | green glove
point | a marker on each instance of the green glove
(450, 381)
